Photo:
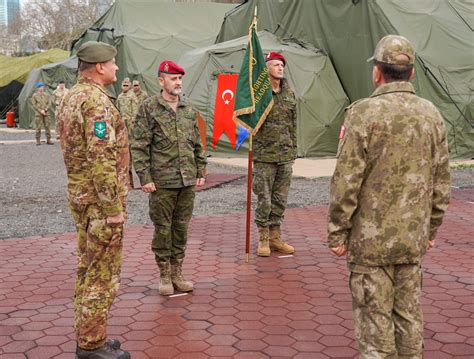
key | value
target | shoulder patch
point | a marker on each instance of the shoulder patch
(100, 129)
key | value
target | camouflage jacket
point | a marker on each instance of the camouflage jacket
(40, 102)
(58, 95)
(142, 96)
(391, 185)
(127, 103)
(166, 145)
(94, 142)
(275, 141)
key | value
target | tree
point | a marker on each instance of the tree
(56, 23)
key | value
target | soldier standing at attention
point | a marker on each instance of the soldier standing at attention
(389, 193)
(58, 95)
(169, 160)
(94, 142)
(40, 102)
(274, 152)
(142, 95)
(127, 103)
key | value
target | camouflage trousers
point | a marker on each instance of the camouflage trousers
(99, 258)
(271, 184)
(40, 121)
(171, 210)
(388, 320)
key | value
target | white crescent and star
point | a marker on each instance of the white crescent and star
(227, 101)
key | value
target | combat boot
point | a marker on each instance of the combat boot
(49, 142)
(263, 249)
(107, 351)
(277, 244)
(166, 286)
(38, 142)
(179, 283)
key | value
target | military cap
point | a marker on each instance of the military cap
(135, 83)
(94, 52)
(126, 81)
(389, 49)
(170, 67)
(39, 84)
(275, 56)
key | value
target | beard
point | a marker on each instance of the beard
(175, 91)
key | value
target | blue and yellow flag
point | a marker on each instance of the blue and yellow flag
(253, 99)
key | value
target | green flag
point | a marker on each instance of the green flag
(253, 98)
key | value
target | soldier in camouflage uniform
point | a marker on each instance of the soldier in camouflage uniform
(389, 193)
(142, 95)
(94, 142)
(274, 152)
(169, 160)
(40, 102)
(127, 103)
(58, 95)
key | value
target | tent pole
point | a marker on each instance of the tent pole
(249, 201)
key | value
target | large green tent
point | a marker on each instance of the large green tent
(321, 99)
(145, 33)
(348, 30)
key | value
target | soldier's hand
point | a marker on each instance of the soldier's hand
(200, 182)
(149, 187)
(116, 220)
(339, 251)
(431, 244)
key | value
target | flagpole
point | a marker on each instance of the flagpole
(249, 201)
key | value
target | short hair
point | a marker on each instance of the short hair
(85, 66)
(392, 73)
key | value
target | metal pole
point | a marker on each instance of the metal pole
(249, 202)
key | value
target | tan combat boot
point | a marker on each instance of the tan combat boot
(38, 142)
(277, 244)
(179, 283)
(49, 142)
(166, 287)
(263, 249)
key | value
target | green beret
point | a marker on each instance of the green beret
(95, 52)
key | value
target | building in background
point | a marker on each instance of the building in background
(9, 13)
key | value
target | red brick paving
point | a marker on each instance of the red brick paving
(297, 307)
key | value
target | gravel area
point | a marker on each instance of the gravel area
(33, 191)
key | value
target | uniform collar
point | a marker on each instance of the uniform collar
(390, 87)
(88, 81)
(182, 101)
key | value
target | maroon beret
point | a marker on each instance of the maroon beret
(170, 67)
(275, 56)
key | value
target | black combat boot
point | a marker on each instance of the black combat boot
(107, 351)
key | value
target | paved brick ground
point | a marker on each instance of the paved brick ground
(297, 307)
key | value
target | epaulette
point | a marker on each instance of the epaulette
(354, 103)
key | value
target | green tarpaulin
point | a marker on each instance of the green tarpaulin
(321, 99)
(348, 30)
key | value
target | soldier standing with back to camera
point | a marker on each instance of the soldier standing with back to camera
(169, 160)
(94, 142)
(274, 152)
(389, 193)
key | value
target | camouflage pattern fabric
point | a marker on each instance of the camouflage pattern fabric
(171, 210)
(388, 320)
(275, 141)
(166, 145)
(99, 253)
(127, 103)
(392, 180)
(40, 102)
(58, 95)
(271, 184)
(94, 142)
(142, 96)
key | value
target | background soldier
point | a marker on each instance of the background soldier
(58, 95)
(127, 103)
(274, 151)
(40, 102)
(169, 161)
(94, 142)
(389, 193)
(142, 95)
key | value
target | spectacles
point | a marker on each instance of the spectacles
(125, 85)
(136, 85)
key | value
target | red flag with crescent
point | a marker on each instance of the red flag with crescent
(224, 109)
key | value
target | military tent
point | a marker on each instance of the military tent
(145, 33)
(321, 99)
(348, 30)
(14, 72)
(50, 75)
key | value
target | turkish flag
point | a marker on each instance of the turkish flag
(224, 108)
